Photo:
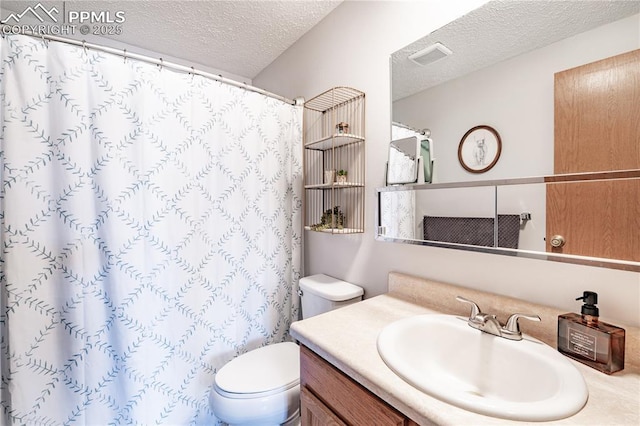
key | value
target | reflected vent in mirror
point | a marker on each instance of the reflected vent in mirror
(430, 54)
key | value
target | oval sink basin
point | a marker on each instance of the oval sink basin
(444, 357)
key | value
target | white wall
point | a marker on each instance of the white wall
(352, 47)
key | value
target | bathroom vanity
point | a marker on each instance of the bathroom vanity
(328, 395)
(345, 381)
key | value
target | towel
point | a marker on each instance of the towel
(477, 231)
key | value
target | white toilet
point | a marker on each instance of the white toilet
(262, 387)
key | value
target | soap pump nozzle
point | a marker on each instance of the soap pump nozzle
(589, 310)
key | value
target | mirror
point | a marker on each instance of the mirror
(509, 217)
(500, 73)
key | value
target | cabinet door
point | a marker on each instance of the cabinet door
(344, 397)
(314, 413)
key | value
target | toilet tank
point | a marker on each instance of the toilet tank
(321, 293)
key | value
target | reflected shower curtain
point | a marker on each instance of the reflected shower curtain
(150, 232)
(398, 209)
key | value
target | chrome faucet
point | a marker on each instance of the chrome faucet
(489, 323)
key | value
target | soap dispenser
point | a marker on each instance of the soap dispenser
(583, 338)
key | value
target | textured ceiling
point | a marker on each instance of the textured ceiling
(500, 30)
(241, 37)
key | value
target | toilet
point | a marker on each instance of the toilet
(262, 386)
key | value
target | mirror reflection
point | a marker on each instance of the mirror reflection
(529, 200)
(545, 217)
(457, 215)
(403, 160)
(460, 216)
(418, 147)
(527, 69)
(501, 74)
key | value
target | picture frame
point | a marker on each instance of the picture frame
(479, 149)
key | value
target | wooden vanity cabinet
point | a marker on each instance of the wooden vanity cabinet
(329, 397)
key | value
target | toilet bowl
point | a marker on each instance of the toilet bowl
(262, 386)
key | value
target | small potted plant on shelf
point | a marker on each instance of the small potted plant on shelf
(331, 219)
(342, 177)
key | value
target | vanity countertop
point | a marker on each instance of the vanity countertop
(347, 337)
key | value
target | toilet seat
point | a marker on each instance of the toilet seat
(255, 394)
(260, 372)
(260, 387)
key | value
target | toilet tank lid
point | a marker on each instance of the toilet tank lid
(330, 288)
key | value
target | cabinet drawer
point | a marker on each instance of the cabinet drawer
(350, 401)
(314, 413)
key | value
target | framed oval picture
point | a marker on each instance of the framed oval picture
(479, 149)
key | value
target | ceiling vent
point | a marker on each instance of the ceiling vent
(430, 54)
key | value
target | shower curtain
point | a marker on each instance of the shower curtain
(150, 232)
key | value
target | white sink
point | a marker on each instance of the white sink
(519, 380)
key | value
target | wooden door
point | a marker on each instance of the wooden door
(596, 218)
(597, 116)
(597, 128)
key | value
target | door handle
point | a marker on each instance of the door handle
(557, 241)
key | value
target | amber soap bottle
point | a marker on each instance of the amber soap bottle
(585, 339)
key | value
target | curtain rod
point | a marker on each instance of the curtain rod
(160, 62)
(404, 126)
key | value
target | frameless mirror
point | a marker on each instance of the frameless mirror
(498, 68)
(529, 202)
(429, 215)
(501, 74)
(457, 215)
(521, 217)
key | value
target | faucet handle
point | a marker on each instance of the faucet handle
(475, 309)
(513, 326)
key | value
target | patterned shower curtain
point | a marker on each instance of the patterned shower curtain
(150, 232)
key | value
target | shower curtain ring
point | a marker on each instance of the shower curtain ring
(193, 72)
(84, 46)
(161, 64)
(124, 55)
